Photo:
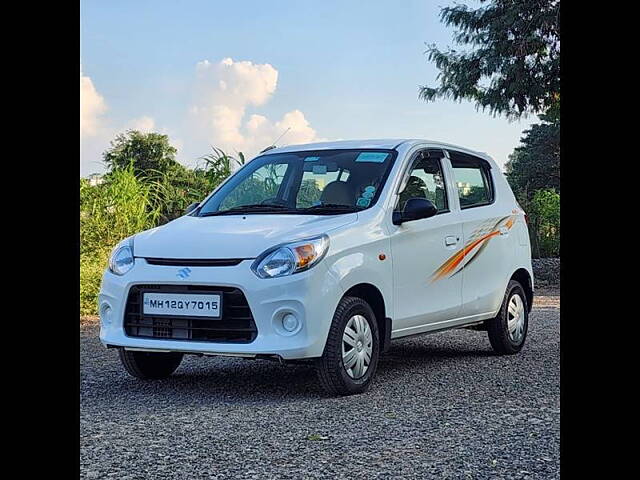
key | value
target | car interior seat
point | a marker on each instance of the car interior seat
(338, 192)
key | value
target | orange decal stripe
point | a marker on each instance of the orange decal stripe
(453, 261)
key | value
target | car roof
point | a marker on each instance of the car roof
(381, 143)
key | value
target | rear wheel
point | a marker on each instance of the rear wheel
(508, 330)
(150, 365)
(350, 357)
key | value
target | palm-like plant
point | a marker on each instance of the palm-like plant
(218, 166)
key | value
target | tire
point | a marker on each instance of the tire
(506, 340)
(334, 377)
(150, 365)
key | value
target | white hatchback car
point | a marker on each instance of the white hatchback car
(326, 252)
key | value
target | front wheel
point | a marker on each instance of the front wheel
(350, 357)
(508, 330)
(150, 365)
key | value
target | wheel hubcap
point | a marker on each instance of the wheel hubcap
(516, 318)
(357, 346)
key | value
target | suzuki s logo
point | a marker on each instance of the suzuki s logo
(183, 273)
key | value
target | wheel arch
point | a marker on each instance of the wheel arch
(524, 278)
(373, 296)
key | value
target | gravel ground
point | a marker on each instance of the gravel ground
(442, 406)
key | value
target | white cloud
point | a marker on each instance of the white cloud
(92, 107)
(144, 124)
(223, 92)
(94, 131)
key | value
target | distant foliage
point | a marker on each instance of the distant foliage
(533, 171)
(535, 164)
(511, 64)
(544, 216)
(150, 154)
(309, 193)
(260, 187)
(476, 195)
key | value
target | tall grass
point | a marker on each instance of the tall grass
(110, 212)
(126, 204)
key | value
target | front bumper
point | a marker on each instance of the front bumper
(312, 296)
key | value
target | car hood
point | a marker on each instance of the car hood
(231, 236)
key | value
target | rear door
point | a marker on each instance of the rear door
(487, 223)
(423, 294)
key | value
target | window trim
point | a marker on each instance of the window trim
(485, 171)
(405, 176)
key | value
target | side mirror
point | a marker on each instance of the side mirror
(415, 209)
(191, 208)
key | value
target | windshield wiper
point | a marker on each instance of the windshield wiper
(251, 208)
(275, 208)
(331, 208)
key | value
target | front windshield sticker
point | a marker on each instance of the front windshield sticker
(369, 192)
(372, 157)
(312, 159)
(363, 202)
(320, 169)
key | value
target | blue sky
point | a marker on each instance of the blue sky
(326, 69)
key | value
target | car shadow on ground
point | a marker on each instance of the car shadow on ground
(212, 379)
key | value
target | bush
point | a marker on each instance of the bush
(92, 266)
(544, 225)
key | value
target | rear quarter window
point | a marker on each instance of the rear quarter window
(473, 181)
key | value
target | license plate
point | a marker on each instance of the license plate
(182, 305)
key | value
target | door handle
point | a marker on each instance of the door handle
(450, 240)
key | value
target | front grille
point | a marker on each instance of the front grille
(236, 324)
(196, 262)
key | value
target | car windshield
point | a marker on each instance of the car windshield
(316, 182)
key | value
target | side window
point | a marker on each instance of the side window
(426, 180)
(472, 179)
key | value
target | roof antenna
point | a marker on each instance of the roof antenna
(271, 147)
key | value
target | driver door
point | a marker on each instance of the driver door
(425, 294)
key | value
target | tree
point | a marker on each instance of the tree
(544, 211)
(513, 65)
(535, 164)
(151, 154)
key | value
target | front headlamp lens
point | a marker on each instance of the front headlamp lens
(281, 262)
(291, 258)
(121, 260)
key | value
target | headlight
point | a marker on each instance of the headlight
(291, 258)
(121, 259)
